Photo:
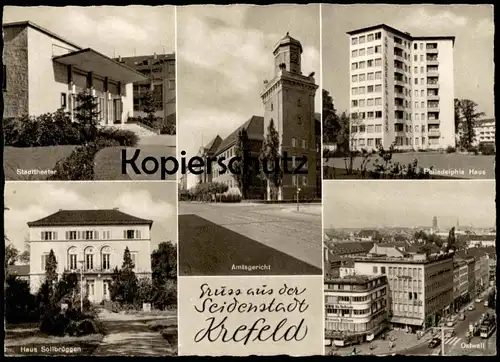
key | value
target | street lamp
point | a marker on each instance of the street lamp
(81, 262)
(298, 191)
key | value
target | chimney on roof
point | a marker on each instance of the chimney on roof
(119, 58)
(115, 208)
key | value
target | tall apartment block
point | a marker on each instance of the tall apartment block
(402, 89)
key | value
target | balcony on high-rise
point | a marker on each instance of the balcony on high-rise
(432, 60)
(398, 79)
(399, 65)
(432, 106)
(431, 48)
(432, 95)
(432, 82)
(433, 131)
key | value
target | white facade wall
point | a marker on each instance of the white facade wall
(115, 244)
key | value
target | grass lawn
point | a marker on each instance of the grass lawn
(32, 158)
(473, 166)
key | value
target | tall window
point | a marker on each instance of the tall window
(106, 258)
(44, 260)
(133, 256)
(89, 258)
(90, 287)
(72, 258)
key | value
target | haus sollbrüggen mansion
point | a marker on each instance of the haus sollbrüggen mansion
(90, 243)
(288, 101)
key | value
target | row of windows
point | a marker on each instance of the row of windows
(368, 76)
(366, 115)
(369, 285)
(88, 235)
(377, 49)
(370, 128)
(88, 259)
(333, 299)
(366, 38)
(377, 88)
(298, 180)
(370, 142)
(368, 102)
(355, 327)
(368, 64)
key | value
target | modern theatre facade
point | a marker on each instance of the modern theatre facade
(91, 243)
(44, 72)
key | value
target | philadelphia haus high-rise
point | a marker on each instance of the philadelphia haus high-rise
(401, 89)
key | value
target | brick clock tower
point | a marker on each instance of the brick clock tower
(289, 101)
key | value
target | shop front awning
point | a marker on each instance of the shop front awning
(407, 321)
(90, 60)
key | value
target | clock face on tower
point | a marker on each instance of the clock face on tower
(294, 58)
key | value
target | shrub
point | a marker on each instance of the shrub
(124, 138)
(20, 304)
(487, 149)
(50, 129)
(451, 149)
(168, 129)
(79, 165)
(230, 198)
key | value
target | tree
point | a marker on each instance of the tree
(470, 116)
(51, 268)
(164, 262)
(164, 267)
(458, 115)
(123, 287)
(331, 122)
(11, 254)
(270, 161)
(87, 115)
(243, 174)
(491, 299)
(148, 104)
(24, 257)
(20, 304)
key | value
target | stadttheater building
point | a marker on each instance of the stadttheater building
(288, 101)
(44, 72)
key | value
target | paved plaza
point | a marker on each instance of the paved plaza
(214, 237)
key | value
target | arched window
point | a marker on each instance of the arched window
(106, 258)
(89, 258)
(72, 258)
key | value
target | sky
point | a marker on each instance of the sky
(31, 200)
(373, 204)
(111, 30)
(224, 56)
(472, 25)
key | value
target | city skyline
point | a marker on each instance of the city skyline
(472, 25)
(30, 201)
(224, 56)
(372, 204)
(112, 30)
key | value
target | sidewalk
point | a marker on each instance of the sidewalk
(402, 342)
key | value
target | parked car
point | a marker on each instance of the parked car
(462, 317)
(479, 300)
(434, 342)
(486, 304)
(471, 307)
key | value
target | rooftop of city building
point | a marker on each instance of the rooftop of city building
(400, 33)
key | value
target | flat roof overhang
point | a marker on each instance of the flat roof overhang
(90, 60)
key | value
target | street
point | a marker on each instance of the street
(457, 345)
(214, 237)
(129, 335)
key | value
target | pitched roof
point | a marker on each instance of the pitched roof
(89, 217)
(19, 270)
(254, 122)
(351, 248)
(212, 146)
